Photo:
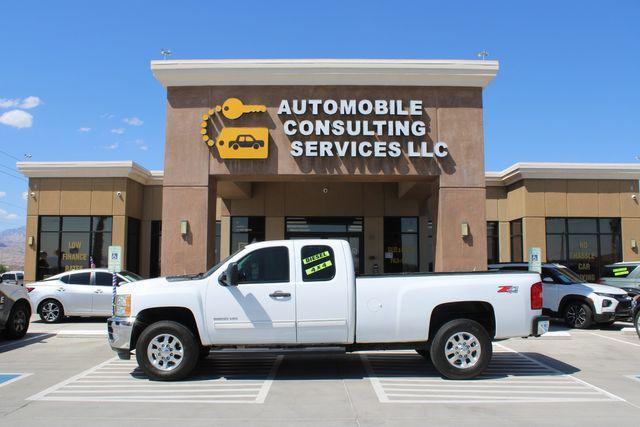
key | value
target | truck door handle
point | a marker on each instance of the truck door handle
(279, 294)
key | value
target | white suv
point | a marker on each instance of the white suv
(85, 292)
(580, 304)
(13, 278)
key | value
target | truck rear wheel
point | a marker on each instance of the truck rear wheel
(461, 349)
(167, 351)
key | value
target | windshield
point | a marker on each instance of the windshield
(217, 266)
(566, 276)
(129, 276)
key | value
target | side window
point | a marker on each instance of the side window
(103, 279)
(266, 265)
(20, 276)
(65, 278)
(80, 279)
(548, 274)
(318, 263)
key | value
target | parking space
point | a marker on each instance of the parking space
(404, 377)
(587, 378)
(225, 378)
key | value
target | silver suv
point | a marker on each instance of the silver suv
(625, 275)
(13, 278)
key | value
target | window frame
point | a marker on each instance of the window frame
(332, 257)
(513, 236)
(288, 280)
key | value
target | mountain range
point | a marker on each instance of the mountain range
(12, 248)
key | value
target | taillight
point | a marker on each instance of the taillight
(29, 289)
(536, 296)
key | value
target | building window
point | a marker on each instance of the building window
(72, 242)
(245, 230)
(133, 245)
(585, 245)
(493, 242)
(156, 243)
(515, 228)
(401, 244)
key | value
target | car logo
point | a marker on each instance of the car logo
(507, 289)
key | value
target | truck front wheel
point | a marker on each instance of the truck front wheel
(461, 349)
(167, 351)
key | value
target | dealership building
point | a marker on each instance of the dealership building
(387, 154)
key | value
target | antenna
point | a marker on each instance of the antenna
(483, 55)
(165, 53)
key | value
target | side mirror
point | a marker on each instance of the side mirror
(122, 283)
(548, 280)
(232, 274)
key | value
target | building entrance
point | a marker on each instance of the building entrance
(350, 229)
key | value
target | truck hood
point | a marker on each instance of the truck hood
(141, 285)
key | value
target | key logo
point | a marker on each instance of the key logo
(235, 142)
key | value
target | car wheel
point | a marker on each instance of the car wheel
(424, 353)
(578, 315)
(461, 349)
(636, 322)
(235, 146)
(167, 351)
(51, 311)
(18, 321)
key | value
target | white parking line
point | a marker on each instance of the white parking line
(615, 339)
(220, 379)
(405, 377)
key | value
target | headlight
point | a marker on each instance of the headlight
(122, 306)
(614, 296)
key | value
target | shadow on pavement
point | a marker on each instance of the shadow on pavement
(29, 339)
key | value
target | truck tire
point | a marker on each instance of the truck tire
(18, 321)
(51, 311)
(461, 349)
(167, 351)
(578, 315)
(636, 323)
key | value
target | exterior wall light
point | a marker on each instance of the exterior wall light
(464, 229)
(184, 227)
(634, 244)
(119, 194)
(30, 241)
(32, 194)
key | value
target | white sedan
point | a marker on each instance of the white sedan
(85, 292)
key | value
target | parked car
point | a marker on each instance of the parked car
(305, 294)
(636, 314)
(580, 304)
(87, 292)
(15, 310)
(13, 277)
(623, 275)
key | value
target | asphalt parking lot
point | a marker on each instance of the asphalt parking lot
(71, 378)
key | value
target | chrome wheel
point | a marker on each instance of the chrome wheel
(50, 311)
(165, 352)
(576, 315)
(462, 350)
(19, 321)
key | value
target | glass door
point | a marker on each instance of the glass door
(345, 228)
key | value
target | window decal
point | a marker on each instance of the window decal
(315, 257)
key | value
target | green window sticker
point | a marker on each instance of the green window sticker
(311, 270)
(316, 257)
(622, 271)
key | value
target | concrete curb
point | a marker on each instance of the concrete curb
(556, 335)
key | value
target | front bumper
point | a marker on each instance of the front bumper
(540, 325)
(119, 330)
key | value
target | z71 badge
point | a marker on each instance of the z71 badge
(507, 289)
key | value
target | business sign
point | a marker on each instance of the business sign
(535, 260)
(356, 128)
(115, 259)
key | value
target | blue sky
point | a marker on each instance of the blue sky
(567, 90)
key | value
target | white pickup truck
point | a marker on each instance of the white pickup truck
(304, 293)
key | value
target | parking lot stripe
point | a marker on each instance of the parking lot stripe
(510, 377)
(217, 380)
(615, 339)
